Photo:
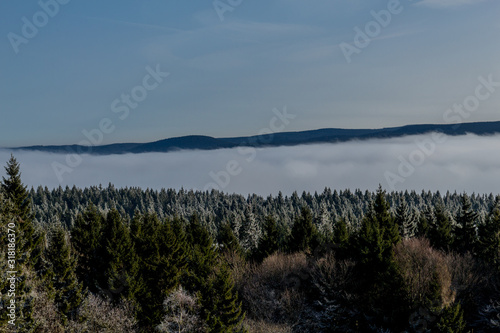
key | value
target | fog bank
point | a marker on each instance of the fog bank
(466, 163)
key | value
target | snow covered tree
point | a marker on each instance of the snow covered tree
(405, 220)
(250, 231)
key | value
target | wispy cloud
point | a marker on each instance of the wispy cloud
(133, 24)
(448, 3)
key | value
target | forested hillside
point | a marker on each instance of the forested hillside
(132, 260)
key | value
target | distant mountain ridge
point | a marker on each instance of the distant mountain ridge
(327, 135)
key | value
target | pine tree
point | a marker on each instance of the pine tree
(324, 222)
(439, 233)
(405, 220)
(203, 256)
(85, 239)
(380, 230)
(228, 240)
(15, 190)
(465, 232)
(341, 238)
(220, 304)
(303, 232)
(489, 237)
(118, 262)
(29, 240)
(380, 282)
(250, 232)
(269, 243)
(64, 285)
(161, 250)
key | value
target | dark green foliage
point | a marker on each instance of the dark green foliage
(269, 243)
(380, 284)
(465, 231)
(85, 238)
(451, 320)
(228, 240)
(29, 240)
(489, 237)
(211, 279)
(422, 226)
(15, 191)
(161, 249)
(63, 283)
(118, 263)
(439, 232)
(378, 234)
(203, 256)
(341, 238)
(222, 310)
(303, 232)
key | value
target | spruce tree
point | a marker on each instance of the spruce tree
(465, 232)
(425, 220)
(303, 232)
(405, 220)
(269, 243)
(380, 285)
(203, 256)
(341, 238)
(66, 289)
(489, 237)
(439, 233)
(161, 250)
(250, 231)
(15, 191)
(221, 307)
(85, 239)
(379, 233)
(118, 262)
(29, 240)
(228, 241)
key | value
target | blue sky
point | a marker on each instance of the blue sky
(226, 76)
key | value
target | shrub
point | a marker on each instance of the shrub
(274, 290)
(183, 314)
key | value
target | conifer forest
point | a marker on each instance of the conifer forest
(106, 259)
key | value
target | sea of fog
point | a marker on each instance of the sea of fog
(430, 162)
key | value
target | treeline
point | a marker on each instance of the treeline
(127, 260)
(63, 205)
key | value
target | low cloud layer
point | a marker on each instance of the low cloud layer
(467, 163)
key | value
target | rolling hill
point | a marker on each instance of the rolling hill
(327, 135)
